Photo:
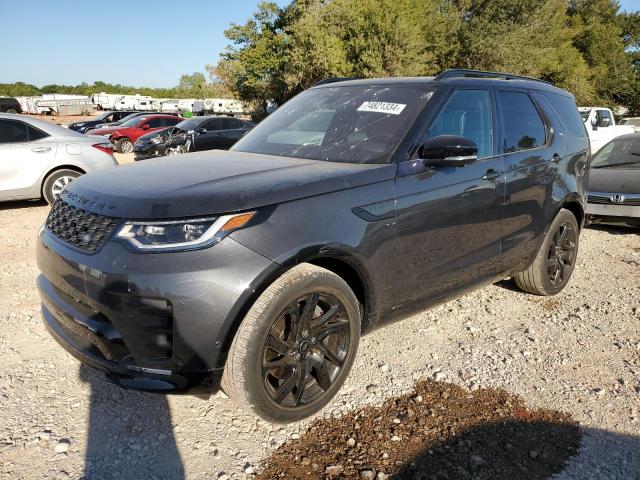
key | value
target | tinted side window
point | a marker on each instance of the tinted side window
(566, 109)
(35, 134)
(235, 123)
(155, 122)
(467, 114)
(522, 127)
(213, 124)
(12, 131)
(170, 122)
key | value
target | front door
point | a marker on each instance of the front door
(449, 219)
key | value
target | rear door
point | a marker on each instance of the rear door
(25, 154)
(532, 148)
(449, 219)
(207, 136)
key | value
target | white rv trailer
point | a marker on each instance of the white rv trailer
(228, 106)
(57, 104)
(105, 101)
(133, 102)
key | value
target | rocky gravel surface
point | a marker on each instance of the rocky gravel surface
(577, 354)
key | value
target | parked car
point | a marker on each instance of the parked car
(193, 135)
(601, 126)
(123, 136)
(633, 121)
(124, 119)
(39, 159)
(614, 183)
(10, 105)
(104, 117)
(258, 268)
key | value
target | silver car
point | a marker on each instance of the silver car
(38, 159)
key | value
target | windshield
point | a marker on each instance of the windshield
(104, 115)
(351, 124)
(585, 115)
(619, 153)
(133, 122)
(128, 117)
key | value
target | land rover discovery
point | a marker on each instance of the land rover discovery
(357, 202)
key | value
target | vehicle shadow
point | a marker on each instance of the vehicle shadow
(21, 204)
(527, 450)
(130, 434)
(614, 229)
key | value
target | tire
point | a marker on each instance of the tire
(56, 182)
(554, 263)
(124, 145)
(12, 110)
(272, 348)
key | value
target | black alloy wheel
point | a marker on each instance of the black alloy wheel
(305, 350)
(561, 254)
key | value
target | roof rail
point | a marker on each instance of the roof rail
(462, 72)
(333, 80)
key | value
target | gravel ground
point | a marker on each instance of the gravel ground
(577, 353)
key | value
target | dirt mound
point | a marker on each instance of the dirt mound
(439, 431)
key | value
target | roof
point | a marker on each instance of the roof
(451, 77)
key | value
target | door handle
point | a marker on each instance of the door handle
(41, 149)
(491, 174)
(556, 158)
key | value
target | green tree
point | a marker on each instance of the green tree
(252, 66)
(599, 37)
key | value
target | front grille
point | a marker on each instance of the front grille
(84, 230)
(608, 199)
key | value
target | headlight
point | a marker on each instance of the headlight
(181, 234)
(156, 140)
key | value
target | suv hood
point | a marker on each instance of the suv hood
(213, 182)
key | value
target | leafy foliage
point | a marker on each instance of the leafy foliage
(586, 46)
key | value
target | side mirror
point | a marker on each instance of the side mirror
(448, 151)
(145, 126)
(594, 124)
(202, 130)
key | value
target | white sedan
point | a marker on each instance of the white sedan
(38, 159)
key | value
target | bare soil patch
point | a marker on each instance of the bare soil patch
(439, 431)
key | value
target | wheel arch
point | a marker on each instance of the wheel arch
(339, 262)
(55, 169)
(575, 207)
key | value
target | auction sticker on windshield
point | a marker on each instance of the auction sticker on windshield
(382, 107)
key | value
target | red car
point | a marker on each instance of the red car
(124, 136)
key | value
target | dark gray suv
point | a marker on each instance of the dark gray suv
(355, 203)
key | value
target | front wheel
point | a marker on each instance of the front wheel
(554, 263)
(295, 347)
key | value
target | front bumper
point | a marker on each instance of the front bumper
(613, 214)
(142, 152)
(158, 322)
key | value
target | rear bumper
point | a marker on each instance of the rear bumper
(156, 322)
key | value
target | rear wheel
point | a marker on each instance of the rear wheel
(56, 182)
(12, 110)
(554, 263)
(124, 145)
(295, 347)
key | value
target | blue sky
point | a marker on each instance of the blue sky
(133, 42)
